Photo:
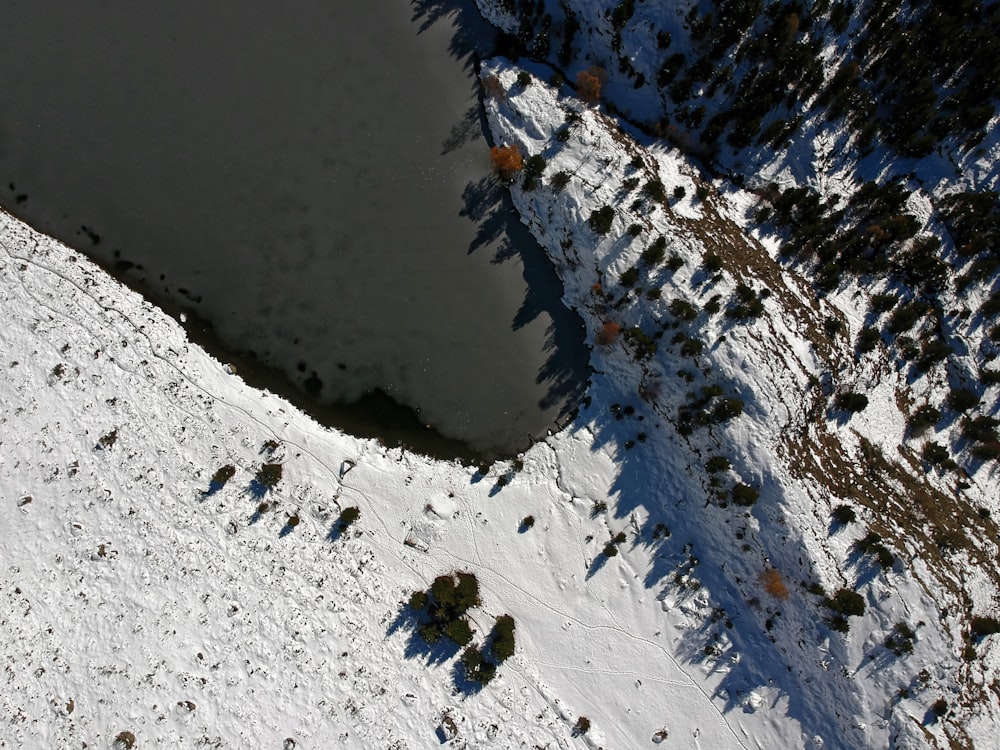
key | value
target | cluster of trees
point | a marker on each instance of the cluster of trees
(442, 612)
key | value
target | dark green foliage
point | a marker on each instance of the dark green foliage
(562, 134)
(932, 351)
(347, 517)
(559, 180)
(503, 639)
(634, 230)
(900, 640)
(937, 455)
(527, 522)
(630, 184)
(601, 219)
(868, 339)
(744, 495)
(747, 305)
(675, 263)
(833, 326)
(476, 668)
(922, 417)
(534, 166)
(851, 401)
(655, 252)
(642, 344)
(984, 626)
(692, 347)
(524, 79)
(712, 263)
(939, 708)
(881, 303)
(906, 316)
(419, 600)
(654, 190)
(683, 310)
(629, 277)
(981, 429)
(223, 475)
(962, 399)
(679, 192)
(716, 464)
(727, 408)
(844, 514)
(458, 631)
(847, 602)
(582, 726)
(713, 305)
(269, 475)
(610, 550)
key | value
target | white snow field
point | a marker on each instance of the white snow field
(139, 607)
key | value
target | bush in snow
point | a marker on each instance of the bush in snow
(507, 161)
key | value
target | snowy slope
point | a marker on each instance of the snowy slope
(802, 457)
(136, 602)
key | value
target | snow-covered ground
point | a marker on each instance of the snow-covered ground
(139, 599)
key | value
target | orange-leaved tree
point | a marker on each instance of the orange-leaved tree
(608, 333)
(588, 83)
(507, 161)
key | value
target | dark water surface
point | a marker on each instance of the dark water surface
(311, 179)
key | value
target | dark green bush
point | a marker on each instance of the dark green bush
(922, 417)
(655, 253)
(559, 180)
(745, 495)
(851, 401)
(868, 339)
(716, 464)
(503, 638)
(269, 475)
(223, 475)
(847, 602)
(962, 399)
(712, 263)
(601, 219)
(984, 626)
(844, 514)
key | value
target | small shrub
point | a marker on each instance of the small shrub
(524, 79)
(601, 219)
(269, 475)
(881, 303)
(844, 514)
(503, 639)
(527, 522)
(634, 230)
(712, 263)
(223, 475)
(610, 550)
(679, 192)
(108, 440)
(922, 418)
(900, 640)
(727, 408)
(476, 668)
(492, 87)
(655, 253)
(984, 626)
(939, 708)
(124, 741)
(847, 602)
(609, 333)
(744, 495)
(773, 584)
(937, 455)
(868, 339)
(506, 161)
(702, 191)
(851, 401)
(347, 517)
(588, 84)
(962, 399)
(559, 180)
(582, 726)
(629, 277)
(682, 309)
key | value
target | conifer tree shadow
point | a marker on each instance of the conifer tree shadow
(472, 37)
